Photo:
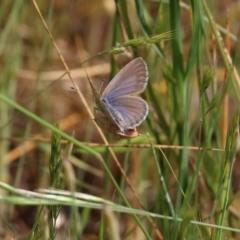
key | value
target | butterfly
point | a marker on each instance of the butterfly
(116, 109)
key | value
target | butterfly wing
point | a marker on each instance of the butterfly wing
(116, 107)
(127, 111)
(130, 79)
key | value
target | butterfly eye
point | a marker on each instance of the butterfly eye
(104, 100)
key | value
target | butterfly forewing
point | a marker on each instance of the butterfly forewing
(131, 79)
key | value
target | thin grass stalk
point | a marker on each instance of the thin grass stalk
(163, 183)
(126, 162)
(204, 80)
(112, 223)
(225, 135)
(116, 35)
(193, 58)
(231, 149)
(85, 216)
(225, 119)
(8, 86)
(45, 49)
(5, 8)
(196, 36)
(101, 234)
(20, 169)
(55, 169)
(217, 36)
(162, 120)
(126, 21)
(179, 93)
(19, 175)
(203, 83)
(55, 166)
(12, 19)
(125, 18)
(147, 30)
(35, 225)
(107, 190)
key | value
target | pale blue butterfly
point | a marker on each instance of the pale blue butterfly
(116, 110)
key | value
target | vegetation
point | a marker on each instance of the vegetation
(62, 177)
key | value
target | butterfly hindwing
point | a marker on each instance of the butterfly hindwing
(128, 111)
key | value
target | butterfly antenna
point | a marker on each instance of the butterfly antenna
(90, 82)
(101, 85)
(86, 74)
(73, 88)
